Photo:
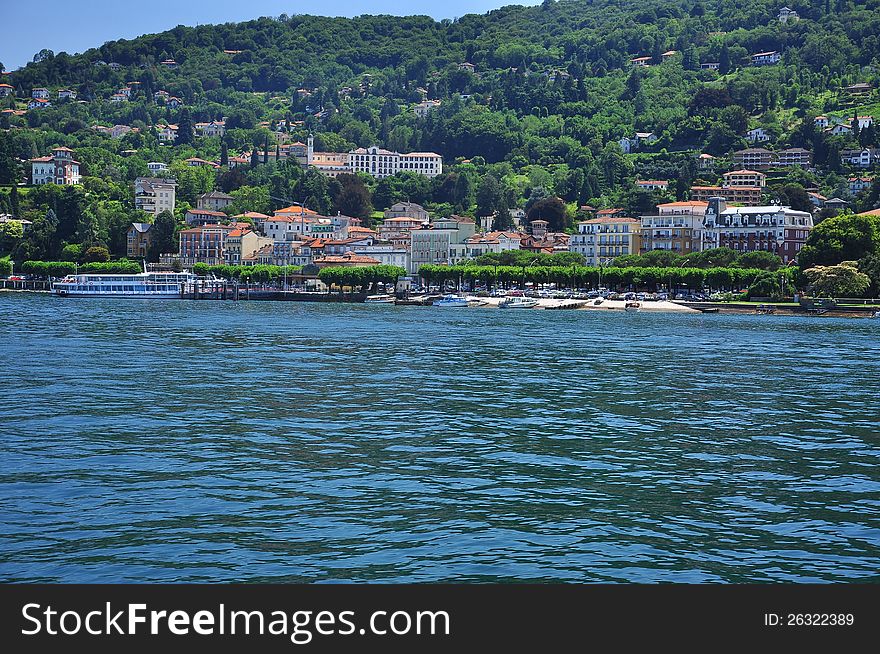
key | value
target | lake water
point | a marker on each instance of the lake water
(262, 441)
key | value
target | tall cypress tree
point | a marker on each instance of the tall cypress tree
(224, 154)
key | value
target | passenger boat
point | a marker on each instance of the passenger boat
(161, 285)
(379, 299)
(518, 303)
(451, 302)
(632, 307)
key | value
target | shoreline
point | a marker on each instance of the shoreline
(659, 306)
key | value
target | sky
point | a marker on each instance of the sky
(62, 25)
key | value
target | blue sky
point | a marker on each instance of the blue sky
(63, 25)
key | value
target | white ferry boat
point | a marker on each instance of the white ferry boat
(168, 285)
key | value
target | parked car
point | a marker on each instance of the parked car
(15, 278)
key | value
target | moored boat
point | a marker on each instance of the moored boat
(158, 285)
(379, 299)
(633, 307)
(451, 302)
(516, 302)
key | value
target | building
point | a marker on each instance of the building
(169, 63)
(859, 184)
(391, 227)
(795, 157)
(492, 243)
(242, 245)
(757, 135)
(862, 88)
(6, 90)
(66, 94)
(166, 133)
(745, 178)
(38, 103)
(205, 244)
(601, 240)
(154, 194)
(756, 158)
(443, 242)
(785, 14)
(705, 162)
(840, 128)
(387, 254)
(196, 162)
(407, 210)
(196, 217)
(59, 168)
(383, 163)
(669, 54)
(652, 185)
(215, 201)
(777, 229)
(860, 158)
(467, 66)
(640, 61)
(864, 122)
(118, 97)
(677, 227)
(422, 108)
(157, 167)
(747, 195)
(214, 128)
(766, 58)
(138, 240)
(40, 93)
(821, 122)
(710, 65)
(631, 143)
(349, 259)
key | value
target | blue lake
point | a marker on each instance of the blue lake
(260, 441)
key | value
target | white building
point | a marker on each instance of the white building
(385, 253)
(786, 14)
(862, 158)
(154, 195)
(492, 243)
(422, 108)
(601, 240)
(652, 185)
(40, 93)
(766, 58)
(757, 135)
(59, 168)
(444, 242)
(66, 94)
(677, 227)
(157, 167)
(215, 201)
(214, 128)
(381, 163)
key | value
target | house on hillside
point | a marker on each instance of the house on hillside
(766, 58)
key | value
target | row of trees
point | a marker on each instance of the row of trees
(362, 277)
(574, 276)
(62, 268)
(258, 273)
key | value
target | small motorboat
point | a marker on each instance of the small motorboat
(451, 302)
(633, 307)
(379, 299)
(877, 314)
(518, 303)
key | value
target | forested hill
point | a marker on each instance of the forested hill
(534, 99)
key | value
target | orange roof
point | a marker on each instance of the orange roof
(253, 215)
(297, 209)
(360, 230)
(872, 212)
(744, 172)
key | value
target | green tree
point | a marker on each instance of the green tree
(162, 236)
(841, 280)
(845, 237)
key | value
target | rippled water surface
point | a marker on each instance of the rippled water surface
(209, 441)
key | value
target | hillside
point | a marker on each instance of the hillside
(540, 109)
